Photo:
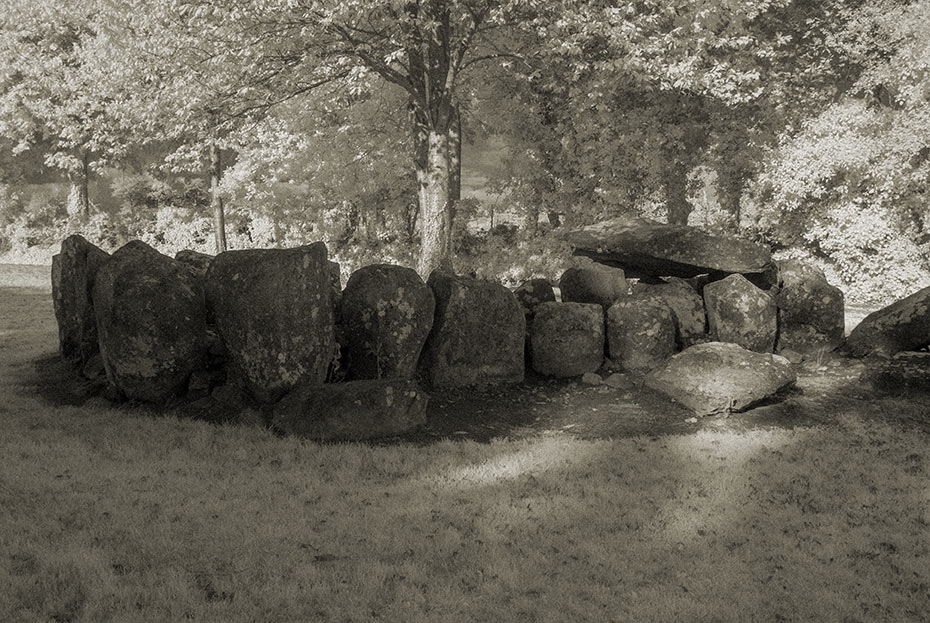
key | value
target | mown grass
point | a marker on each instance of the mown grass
(111, 515)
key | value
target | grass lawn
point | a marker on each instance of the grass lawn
(114, 515)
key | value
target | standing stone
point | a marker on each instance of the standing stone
(275, 315)
(599, 284)
(530, 294)
(640, 333)
(73, 276)
(151, 321)
(810, 310)
(902, 326)
(478, 333)
(719, 377)
(687, 308)
(567, 339)
(740, 313)
(352, 411)
(387, 312)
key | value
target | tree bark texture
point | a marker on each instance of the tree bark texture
(216, 201)
(435, 216)
(78, 180)
(676, 196)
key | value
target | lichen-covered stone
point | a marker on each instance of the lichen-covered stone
(596, 283)
(352, 411)
(810, 310)
(478, 333)
(719, 377)
(687, 308)
(151, 322)
(567, 339)
(530, 294)
(640, 333)
(740, 313)
(902, 326)
(275, 315)
(643, 247)
(387, 312)
(73, 275)
(196, 261)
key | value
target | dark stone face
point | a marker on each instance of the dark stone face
(478, 333)
(73, 277)
(902, 326)
(151, 320)
(603, 285)
(386, 315)
(275, 315)
(567, 339)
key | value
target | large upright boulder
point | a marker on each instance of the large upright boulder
(352, 411)
(478, 333)
(903, 325)
(567, 339)
(718, 377)
(73, 275)
(604, 285)
(387, 312)
(740, 313)
(275, 315)
(640, 333)
(686, 304)
(643, 247)
(151, 322)
(810, 310)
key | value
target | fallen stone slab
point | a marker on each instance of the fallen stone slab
(352, 411)
(902, 326)
(645, 248)
(904, 373)
(719, 377)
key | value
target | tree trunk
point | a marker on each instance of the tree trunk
(730, 184)
(676, 196)
(216, 201)
(455, 162)
(78, 195)
(435, 217)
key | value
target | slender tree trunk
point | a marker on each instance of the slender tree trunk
(78, 193)
(676, 196)
(216, 201)
(455, 162)
(435, 216)
(730, 184)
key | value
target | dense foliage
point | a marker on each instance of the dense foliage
(274, 122)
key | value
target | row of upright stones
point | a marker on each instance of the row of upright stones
(273, 328)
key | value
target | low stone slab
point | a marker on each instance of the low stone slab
(567, 339)
(905, 373)
(352, 411)
(719, 377)
(386, 314)
(810, 310)
(687, 307)
(599, 284)
(741, 313)
(640, 333)
(195, 260)
(74, 272)
(151, 322)
(902, 326)
(643, 247)
(275, 315)
(478, 334)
